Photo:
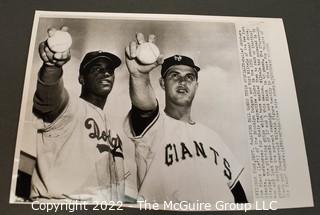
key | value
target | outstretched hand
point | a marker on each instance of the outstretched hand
(134, 65)
(49, 56)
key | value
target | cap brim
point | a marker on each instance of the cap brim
(192, 66)
(196, 68)
(112, 60)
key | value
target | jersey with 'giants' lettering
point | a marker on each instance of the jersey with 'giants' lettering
(177, 161)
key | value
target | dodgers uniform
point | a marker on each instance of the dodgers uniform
(79, 157)
(178, 161)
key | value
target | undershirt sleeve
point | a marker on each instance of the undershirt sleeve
(141, 119)
(239, 193)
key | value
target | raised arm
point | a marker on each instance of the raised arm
(144, 102)
(141, 92)
(50, 97)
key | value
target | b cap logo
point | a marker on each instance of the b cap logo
(177, 58)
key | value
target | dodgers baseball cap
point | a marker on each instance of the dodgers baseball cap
(177, 60)
(90, 57)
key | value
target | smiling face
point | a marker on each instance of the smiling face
(98, 80)
(180, 85)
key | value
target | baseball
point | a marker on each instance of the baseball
(147, 53)
(60, 41)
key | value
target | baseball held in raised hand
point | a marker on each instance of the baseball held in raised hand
(147, 53)
(60, 41)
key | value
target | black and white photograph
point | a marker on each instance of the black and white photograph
(158, 108)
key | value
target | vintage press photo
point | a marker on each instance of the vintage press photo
(214, 119)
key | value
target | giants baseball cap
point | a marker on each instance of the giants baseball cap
(177, 60)
(90, 57)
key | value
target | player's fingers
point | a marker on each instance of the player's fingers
(140, 38)
(64, 28)
(133, 49)
(41, 47)
(44, 57)
(48, 52)
(60, 62)
(63, 60)
(51, 31)
(66, 54)
(150, 67)
(57, 55)
(152, 38)
(160, 59)
(62, 56)
(42, 53)
(127, 50)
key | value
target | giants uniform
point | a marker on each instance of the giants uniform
(78, 156)
(178, 161)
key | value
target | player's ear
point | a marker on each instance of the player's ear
(81, 79)
(161, 82)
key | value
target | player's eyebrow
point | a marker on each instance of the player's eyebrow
(177, 71)
(172, 72)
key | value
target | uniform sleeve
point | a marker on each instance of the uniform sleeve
(232, 167)
(50, 98)
(143, 143)
(64, 124)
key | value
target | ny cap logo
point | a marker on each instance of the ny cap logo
(177, 58)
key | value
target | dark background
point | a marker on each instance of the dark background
(302, 24)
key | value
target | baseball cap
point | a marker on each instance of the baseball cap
(177, 60)
(91, 57)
